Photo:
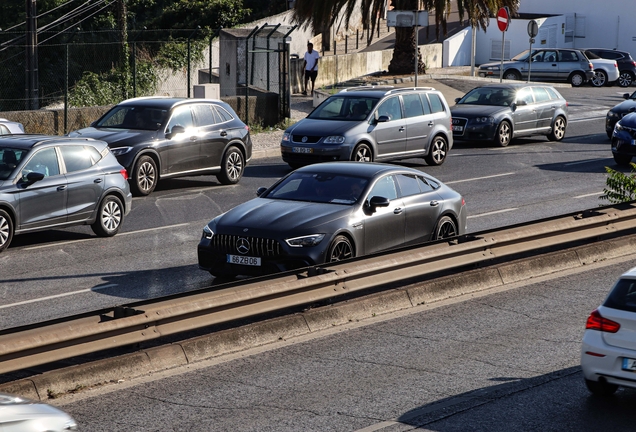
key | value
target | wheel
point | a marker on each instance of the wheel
(109, 217)
(599, 79)
(232, 167)
(437, 153)
(340, 249)
(625, 78)
(362, 153)
(558, 129)
(577, 79)
(600, 388)
(502, 137)
(144, 179)
(512, 75)
(445, 228)
(622, 160)
(6, 230)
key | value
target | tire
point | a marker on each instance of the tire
(340, 249)
(622, 160)
(503, 134)
(599, 79)
(110, 216)
(232, 167)
(512, 75)
(362, 153)
(558, 129)
(6, 230)
(445, 228)
(145, 176)
(577, 79)
(438, 151)
(600, 388)
(625, 79)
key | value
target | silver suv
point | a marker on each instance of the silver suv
(372, 123)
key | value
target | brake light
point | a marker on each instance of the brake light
(463, 202)
(596, 322)
(634, 63)
(591, 66)
(247, 128)
(124, 173)
(616, 65)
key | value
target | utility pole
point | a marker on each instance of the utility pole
(32, 80)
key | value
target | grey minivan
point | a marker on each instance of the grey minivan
(372, 123)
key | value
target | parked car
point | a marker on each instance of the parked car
(618, 111)
(8, 127)
(50, 182)
(608, 351)
(501, 112)
(605, 70)
(624, 140)
(18, 414)
(372, 124)
(159, 137)
(626, 64)
(550, 64)
(330, 212)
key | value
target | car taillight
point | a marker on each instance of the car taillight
(616, 65)
(591, 66)
(124, 173)
(634, 63)
(463, 201)
(247, 128)
(596, 322)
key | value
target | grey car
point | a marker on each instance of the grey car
(501, 112)
(50, 182)
(330, 212)
(370, 123)
(8, 127)
(550, 64)
(18, 414)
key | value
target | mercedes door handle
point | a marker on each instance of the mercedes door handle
(434, 203)
(397, 210)
(61, 188)
(223, 133)
(97, 180)
(401, 129)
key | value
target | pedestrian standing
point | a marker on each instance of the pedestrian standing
(310, 66)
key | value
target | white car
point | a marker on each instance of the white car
(18, 414)
(8, 127)
(608, 353)
(605, 71)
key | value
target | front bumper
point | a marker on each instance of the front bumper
(623, 143)
(473, 131)
(601, 360)
(312, 153)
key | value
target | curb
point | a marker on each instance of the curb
(134, 365)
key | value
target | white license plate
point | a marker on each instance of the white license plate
(302, 150)
(458, 128)
(634, 142)
(629, 364)
(244, 260)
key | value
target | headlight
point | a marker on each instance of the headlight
(490, 120)
(618, 127)
(612, 114)
(120, 150)
(286, 136)
(491, 68)
(334, 140)
(305, 241)
(207, 233)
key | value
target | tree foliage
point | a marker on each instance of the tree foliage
(620, 187)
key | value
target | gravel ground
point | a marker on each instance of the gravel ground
(300, 107)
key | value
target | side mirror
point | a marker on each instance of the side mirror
(625, 95)
(383, 119)
(260, 191)
(33, 177)
(378, 201)
(176, 129)
(457, 99)
(93, 123)
(521, 103)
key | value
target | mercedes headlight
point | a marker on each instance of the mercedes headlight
(305, 241)
(120, 150)
(334, 139)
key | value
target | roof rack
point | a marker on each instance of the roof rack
(366, 87)
(410, 88)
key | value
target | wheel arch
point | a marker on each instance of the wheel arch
(239, 145)
(147, 152)
(451, 214)
(368, 142)
(12, 214)
(515, 70)
(349, 237)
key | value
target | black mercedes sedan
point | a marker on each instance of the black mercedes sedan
(501, 112)
(160, 137)
(619, 111)
(330, 212)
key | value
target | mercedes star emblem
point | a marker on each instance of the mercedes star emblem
(242, 245)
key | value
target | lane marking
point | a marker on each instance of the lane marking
(479, 178)
(492, 213)
(588, 195)
(57, 296)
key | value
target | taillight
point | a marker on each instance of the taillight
(616, 65)
(463, 202)
(124, 173)
(634, 63)
(596, 322)
(591, 66)
(247, 128)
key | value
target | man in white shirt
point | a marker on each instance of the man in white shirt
(311, 66)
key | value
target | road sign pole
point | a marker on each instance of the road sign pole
(533, 30)
(503, 21)
(503, 40)
(416, 46)
(530, 59)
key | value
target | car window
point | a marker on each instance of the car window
(553, 94)
(538, 56)
(610, 55)
(424, 185)
(358, 108)
(77, 158)
(391, 108)
(540, 94)
(133, 117)
(589, 54)
(408, 185)
(222, 112)
(43, 161)
(204, 115)
(425, 104)
(436, 103)
(385, 187)
(181, 116)
(319, 187)
(568, 56)
(4, 130)
(9, 160)
(412, 105)
(622, 296)
(525, 94)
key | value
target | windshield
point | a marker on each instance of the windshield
(319, 187)
(495, 96)
(348, 108)
(522, 56)
(9, 159)
(134, 117)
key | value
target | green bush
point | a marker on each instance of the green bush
(620, 187)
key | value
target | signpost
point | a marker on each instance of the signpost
(533, 30)
(503, 21)
(417, 19)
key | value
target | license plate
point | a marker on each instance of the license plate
(244, 260)
(302, 150)
(629, 364)
(634, 142)
(457, 128)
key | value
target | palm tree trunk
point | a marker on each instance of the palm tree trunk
(403, 60)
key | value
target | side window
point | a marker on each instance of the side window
(408, 185)
(4, 130)
(552, 93)
(390, 108)
(425, 104)
(549, 56)
(436, 103)
(525, 95)
(424, 185)
(44, 161)
(225, 116)
(412, 105)
(385, 187)
(76, 158)
(204, 115)
(181, 116)
(540, 94)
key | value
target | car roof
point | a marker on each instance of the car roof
(514, 86)
(367, 169)
(27, 141)
(380, 91)
(165, 102)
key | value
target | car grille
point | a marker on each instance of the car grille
(309, 140)
(461, 122)
(227, 244)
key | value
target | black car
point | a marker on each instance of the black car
(624, 139)
(50, 182)
(330, 212)
(618, 111)
(626, 64)
(159, 137)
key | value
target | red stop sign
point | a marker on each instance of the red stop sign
(503, 19)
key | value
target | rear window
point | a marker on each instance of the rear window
(622, 296)
(436, 103)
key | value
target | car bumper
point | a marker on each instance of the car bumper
(601, 360)
(298, 153)
(623, 143)
(476, 132)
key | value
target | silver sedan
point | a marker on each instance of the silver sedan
(18, 414)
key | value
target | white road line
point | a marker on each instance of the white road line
(492, 213)
(588, 195)
(57, 296)
(479, 178)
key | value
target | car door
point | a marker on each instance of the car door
(421, 208)
(43, 202)
(390, 136)
(545, 65)
(213, 124)
(384, 226)
(418, 125)
(180, 152)
(85, 182)
(568, 62)
(524, 114)
(544, 107)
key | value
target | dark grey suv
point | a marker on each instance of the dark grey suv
(372, 123)
(50, 181)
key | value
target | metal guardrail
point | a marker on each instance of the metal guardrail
(140, 322)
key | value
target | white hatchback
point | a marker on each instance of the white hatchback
(608, 353)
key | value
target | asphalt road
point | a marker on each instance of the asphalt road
(61, 272)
